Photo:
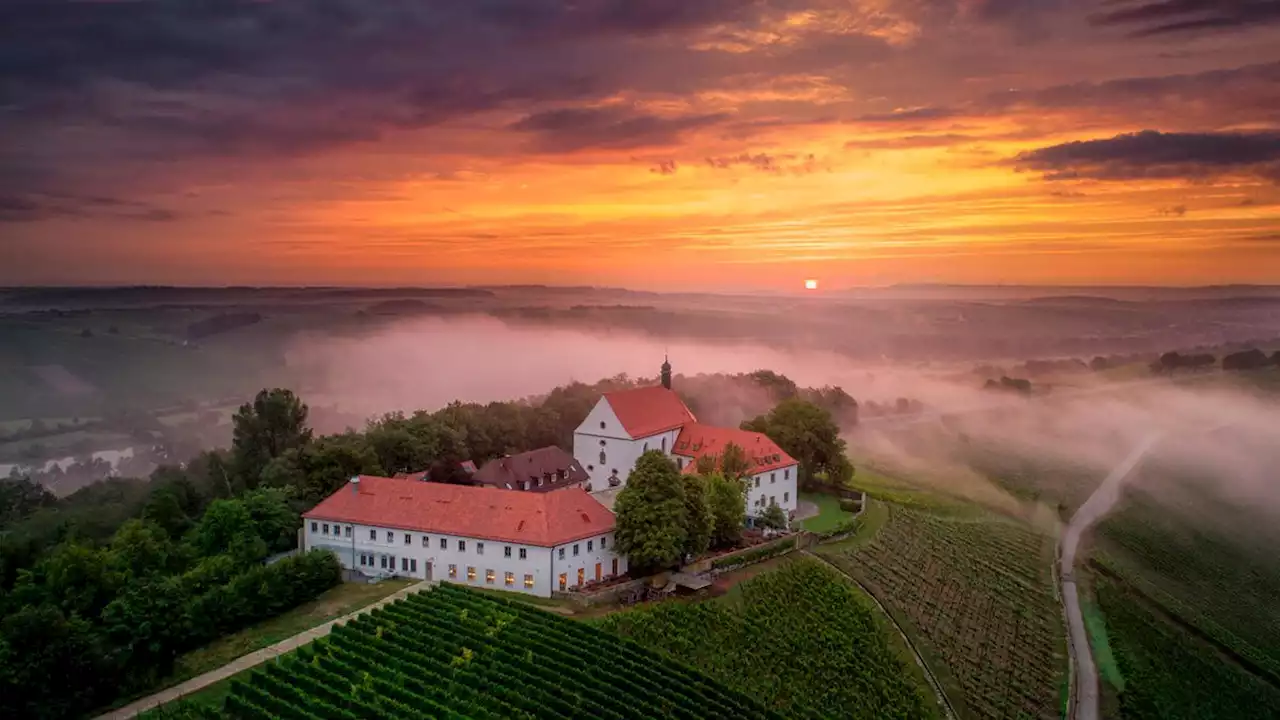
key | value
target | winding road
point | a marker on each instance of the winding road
(1084, 704)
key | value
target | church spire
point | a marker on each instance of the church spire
(666, 372)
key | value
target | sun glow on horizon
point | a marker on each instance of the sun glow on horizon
(810, 284)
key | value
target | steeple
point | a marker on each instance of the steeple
(666, 372)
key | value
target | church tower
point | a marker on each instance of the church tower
(666, 372)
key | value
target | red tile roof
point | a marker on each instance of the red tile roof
(649, 411)
(542, 519)
(696, 440)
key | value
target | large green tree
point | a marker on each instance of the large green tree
(652, 519)
(726, 498)
(698, 512)
(734, 462)
(318, 468)
(275, 422)
(807, 433)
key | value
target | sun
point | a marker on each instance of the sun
(810, 284)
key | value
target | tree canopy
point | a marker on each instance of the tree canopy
(275, 422)
(652, 517)
(726, 499)
(807, 433)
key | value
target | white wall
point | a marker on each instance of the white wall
(349, 548)
(781, 484)
(620, 450)
(586, 560)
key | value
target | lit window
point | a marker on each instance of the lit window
(561, 553)
(582, 576)
(462, 546)
(575, 549)
(453, 571)
(603, 540)
(471, 572)
(564, 581)
(591, 545)
(506, 551)
(489, 576)
(407, 538)
(424, 540)
(391, 537)
(444, 544)
(509, 579)
(479, 548)
(528, 581)
(373, 534)
(524, 554)
(313, 526)
(326, 529)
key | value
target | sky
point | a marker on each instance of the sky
(653, 144)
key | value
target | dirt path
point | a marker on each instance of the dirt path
(943, 702)
(245, 662)
(1084, 691)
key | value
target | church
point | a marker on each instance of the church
(627, 423)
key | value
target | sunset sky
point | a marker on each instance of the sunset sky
(657, 144)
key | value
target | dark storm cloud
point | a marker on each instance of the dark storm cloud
(1165, 17)
(34, 207)
(1151, 154)
(570, 129)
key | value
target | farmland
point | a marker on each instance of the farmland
(799, 639)
(978, 596)
(455, 653)
(1168, 673)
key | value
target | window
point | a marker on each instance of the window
(603, 459)
(313, 526)
(646, 448)
(591, 468)
(773, 499)
(413, 565)
(471, 572)
(601, 424)
(786, 497)
(453, 572)
(602, 444)
(489, 576)
(575, 549)
(444, 544)
(603, 540)
(462, 546)
(591, 545)
(391, 537)
(326, 529)
(561, 553)
(373, 534)
(347, 531)
(393, 562)
(757, 482)
(786, 474)
(680, 463)
(479, 548)
(509, 579)
(404, 564)
(524, 554)
(582, 576)
(773, 478)
(528, 581)
(564, 581)
(384, 561)
(361, 559)
(664, 444)
(424, 540)
(407, 538)
(506, 551)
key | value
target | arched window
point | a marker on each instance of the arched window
(602, 457)
(664, 444)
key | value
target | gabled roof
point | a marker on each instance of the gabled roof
(696, 440)
(541, 519)
(533, 466)
(649, 410)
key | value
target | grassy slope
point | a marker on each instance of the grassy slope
(799, 638)
(977, 597)
(829, 513)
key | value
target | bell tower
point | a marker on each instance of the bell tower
(666, 372)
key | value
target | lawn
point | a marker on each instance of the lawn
(977, 598)
(829, 514)
(341, 600)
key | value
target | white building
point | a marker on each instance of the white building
(486, 537)
(625, 424)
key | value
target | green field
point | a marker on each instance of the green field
(799, 639)
(455, 653)
(1168, 673)
(829, 514)
(978, 598)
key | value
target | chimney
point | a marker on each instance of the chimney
(355, 484)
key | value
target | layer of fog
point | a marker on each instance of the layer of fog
(1227, 438)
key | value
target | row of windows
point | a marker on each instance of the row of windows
(591, 546)
(582, 575)
(388, 562)
(773, 499)
(773, 477)
(508, 578)
(323, 529)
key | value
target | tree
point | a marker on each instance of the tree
(698, 512)
(21, 496)
(652, 520)
(51, 665)
(734, 462)
(275, 422)
(1251, 359)
(726, 499)
(319, 468)
(706, 464)
(773, 517)
(142, 549)
(807, 433)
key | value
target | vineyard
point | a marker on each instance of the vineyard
(454, 653)
(1169, 674)
(798, 639)
(979, 594)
